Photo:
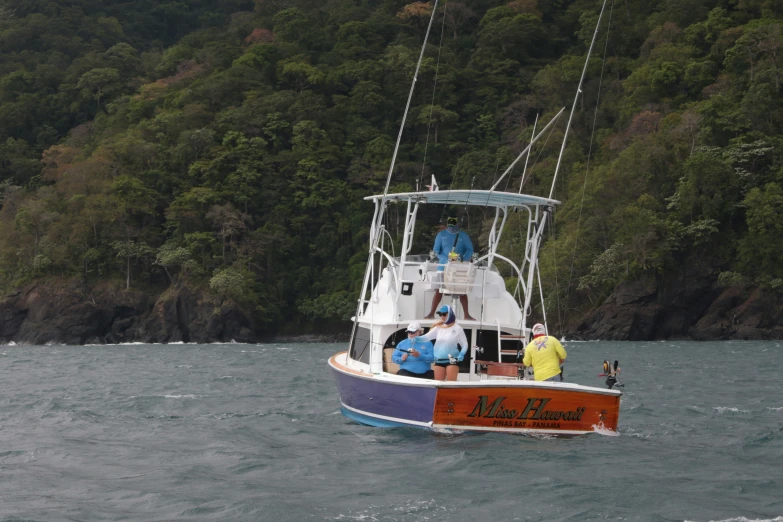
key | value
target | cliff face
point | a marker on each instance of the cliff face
(688, 307)
(62, 312)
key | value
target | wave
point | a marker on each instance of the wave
(729, 409)
(743, 519)
(602, 430)
(172, 396)
(133, 343)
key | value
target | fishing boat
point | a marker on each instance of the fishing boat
(493, 391)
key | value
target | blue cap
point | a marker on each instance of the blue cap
(443, 309)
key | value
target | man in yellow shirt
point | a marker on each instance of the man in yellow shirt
(545, 354)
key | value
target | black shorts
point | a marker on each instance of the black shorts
(445, 365)
(429, 374)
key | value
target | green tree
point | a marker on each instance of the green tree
(100, 82)
(759, 250)
(129, 250)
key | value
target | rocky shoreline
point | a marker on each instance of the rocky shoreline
(689, 306)
(64, 312)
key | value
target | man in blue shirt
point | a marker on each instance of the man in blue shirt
(414, 355)
(451, 241)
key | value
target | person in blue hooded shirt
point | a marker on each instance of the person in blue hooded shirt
(450, 241)
(414, 354)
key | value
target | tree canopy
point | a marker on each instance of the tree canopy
(229, 144)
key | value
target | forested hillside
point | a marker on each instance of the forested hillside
(226, 146)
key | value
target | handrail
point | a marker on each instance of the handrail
(392, 263)
(507, 260)
(500, 354)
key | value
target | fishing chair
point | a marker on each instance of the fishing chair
(458, 277)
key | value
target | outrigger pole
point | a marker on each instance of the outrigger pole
(535, 241)
(402, 126)
(576, 98)
(380, 208)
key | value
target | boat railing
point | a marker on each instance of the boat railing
(419, 260)
(425, 266)
(510, 262)
(440, 283)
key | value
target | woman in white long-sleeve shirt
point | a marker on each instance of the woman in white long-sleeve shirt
(449, 338)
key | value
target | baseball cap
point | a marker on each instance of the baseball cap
(414, 327)
(443, 309)
(538, 329)
(452, 222)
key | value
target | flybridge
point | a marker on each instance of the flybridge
(479, 198)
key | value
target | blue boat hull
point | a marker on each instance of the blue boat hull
(384, 404)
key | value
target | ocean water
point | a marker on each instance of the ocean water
(253, 432)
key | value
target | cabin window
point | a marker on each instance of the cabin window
(360, 347)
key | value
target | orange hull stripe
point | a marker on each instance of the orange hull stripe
(526, 408)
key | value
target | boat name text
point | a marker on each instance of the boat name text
(534, 410)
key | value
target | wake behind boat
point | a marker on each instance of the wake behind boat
(492, 391)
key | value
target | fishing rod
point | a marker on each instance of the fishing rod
(524, 170)
(464, 213)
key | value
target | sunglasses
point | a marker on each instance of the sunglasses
(411, 333)
(442, 313)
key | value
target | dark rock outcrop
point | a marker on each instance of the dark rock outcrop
(186, 315)
(61, 312)
(690, 306)
(64, 312)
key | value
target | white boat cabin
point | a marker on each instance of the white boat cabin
(399, 287)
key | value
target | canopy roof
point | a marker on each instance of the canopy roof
(479, 198)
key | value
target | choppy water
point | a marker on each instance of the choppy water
(253, 432)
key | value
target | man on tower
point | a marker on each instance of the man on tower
(450, 244)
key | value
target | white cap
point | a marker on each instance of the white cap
(538, 329)
(414, 327)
